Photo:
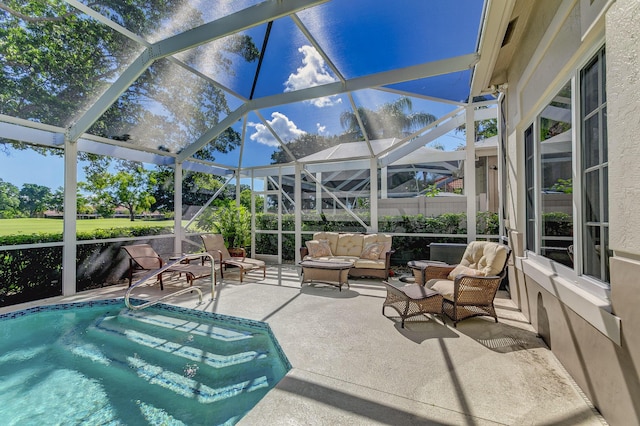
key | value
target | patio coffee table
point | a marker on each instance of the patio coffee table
(334, 273)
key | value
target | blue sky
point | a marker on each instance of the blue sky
(387, 37)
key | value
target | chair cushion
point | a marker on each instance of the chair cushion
(465, 270)
(318, 248)
(485, 256)
(444, 287)
(372, 251)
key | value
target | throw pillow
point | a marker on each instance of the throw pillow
(372, 251)
(465, 270)
(318, 248)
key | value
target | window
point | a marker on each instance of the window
(556, 198)
(594, 169)
(549, 176)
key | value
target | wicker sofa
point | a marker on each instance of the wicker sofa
(369, 253)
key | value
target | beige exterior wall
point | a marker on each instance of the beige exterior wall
(596, 340)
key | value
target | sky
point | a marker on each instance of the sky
(388, 37)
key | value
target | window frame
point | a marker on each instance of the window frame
(599, 288)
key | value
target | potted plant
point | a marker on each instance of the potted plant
(234, 224)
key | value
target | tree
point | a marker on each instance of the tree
(56, 62)
(130, 187)
(83, 205)
(9, 200)
(34, 199)
(306, 144)
(390, 120)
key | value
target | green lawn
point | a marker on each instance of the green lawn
(35, 226)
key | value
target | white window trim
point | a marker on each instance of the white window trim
(593, 309)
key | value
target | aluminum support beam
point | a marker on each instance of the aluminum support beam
(297, 213)
(373, 196)
(435, 132)
(470, 175)
(212, 133)
(178, 230)
(250, 17)
(69, 249)
(117, 88)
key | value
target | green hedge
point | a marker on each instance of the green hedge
(408, 247)
(36, 273)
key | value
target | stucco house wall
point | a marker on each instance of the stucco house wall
(596, 340)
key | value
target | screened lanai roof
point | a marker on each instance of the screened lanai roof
(233, 84)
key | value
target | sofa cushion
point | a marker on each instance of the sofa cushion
(318, 248)
(444, 287)
(372, 251)
(465, 270)
(332, 237)
(370, 264)
(485, 256)
(379, 238)
(349, 245)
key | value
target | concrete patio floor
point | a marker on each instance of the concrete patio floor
(354, 366)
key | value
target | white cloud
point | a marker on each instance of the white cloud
(321, 129)
(280, 123)
(313, 72)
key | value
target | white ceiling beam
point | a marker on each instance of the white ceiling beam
(248, 18)
(117, 88)
(213, 133)
(432, 135)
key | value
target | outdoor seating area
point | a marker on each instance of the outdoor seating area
(352, 365)
(324, 165)
(369, 254)
(464, 290)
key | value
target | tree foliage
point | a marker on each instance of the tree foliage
(57, 61)
(34, 199)
(130, 187)
(391, 120)
(9, 200)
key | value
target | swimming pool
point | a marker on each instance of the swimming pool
(100, 363)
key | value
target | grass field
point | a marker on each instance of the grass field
(35, 226)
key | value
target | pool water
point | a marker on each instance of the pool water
(99, 363)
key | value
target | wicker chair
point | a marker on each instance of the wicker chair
(214, 245)
(467, 292)
(142, 257)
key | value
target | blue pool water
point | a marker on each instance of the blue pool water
(99, 363)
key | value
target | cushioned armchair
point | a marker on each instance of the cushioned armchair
(469, 288)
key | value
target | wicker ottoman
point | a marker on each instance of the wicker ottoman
(334, 273)
(412, 300)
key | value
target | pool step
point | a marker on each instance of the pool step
(224, 333)
(182, 349)
(202, 334)
(192, 385)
